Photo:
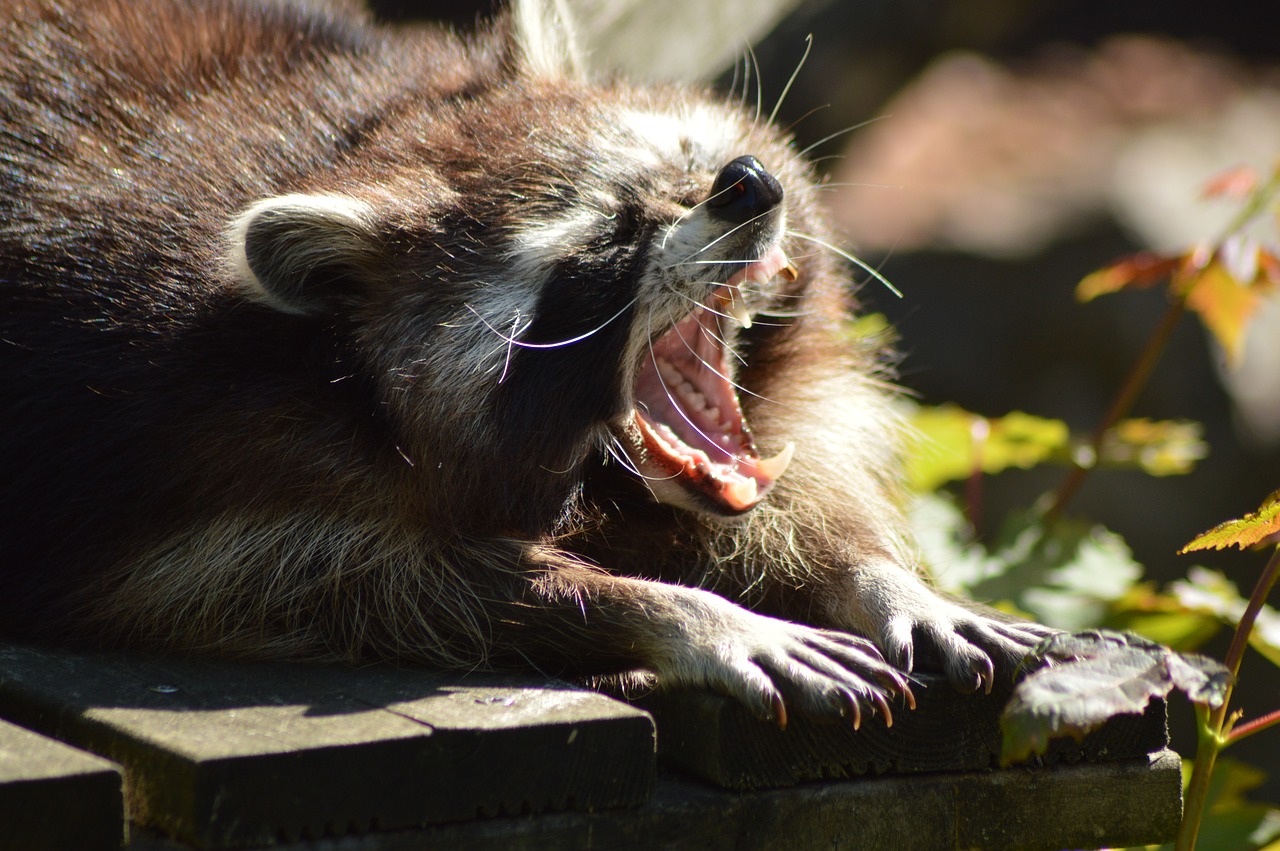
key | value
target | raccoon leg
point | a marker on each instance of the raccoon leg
(693, 637)
(325, 587)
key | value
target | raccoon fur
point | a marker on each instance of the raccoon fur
(327, 341)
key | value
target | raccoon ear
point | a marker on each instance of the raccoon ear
(303, 254)
(545, 40)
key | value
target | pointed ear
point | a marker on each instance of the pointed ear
(306, 255)
(544, 40)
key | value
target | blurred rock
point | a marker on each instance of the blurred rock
(1002, 161)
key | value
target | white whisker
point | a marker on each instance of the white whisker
(808, 45)
(755, 67)
(807, 148)
(858, 185)
(852, 259)
(714, 371)
(675, 404)
(724, 235)
(671, 228)
(619, 453)
(512, 341)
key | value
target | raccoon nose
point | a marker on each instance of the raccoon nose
(743, 191)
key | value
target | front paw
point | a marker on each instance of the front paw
(971, 648)
(776, 667)
(915, 625)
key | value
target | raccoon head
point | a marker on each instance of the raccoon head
(547, 271)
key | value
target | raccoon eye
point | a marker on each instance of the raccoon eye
(744, 190)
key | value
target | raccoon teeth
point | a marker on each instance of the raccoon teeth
(737, 307)
(773, 468)
(742, 491)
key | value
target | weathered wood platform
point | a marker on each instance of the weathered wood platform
(218, 755)
(237, 755)
(716, 739)
(56, 797)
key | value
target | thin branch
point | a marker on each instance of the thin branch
(1254, 725)
(1123, 403)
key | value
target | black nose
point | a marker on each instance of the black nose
(744, 191)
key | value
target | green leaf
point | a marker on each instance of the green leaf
(956, 443)
(868, 325)
(1209, 592)
(1163, 618)
(1245, 532)
(1093, 676)
(946, 544)
(1158, 447)
(1231, 820)
(1064, 574)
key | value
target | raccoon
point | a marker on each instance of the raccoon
(328, 341)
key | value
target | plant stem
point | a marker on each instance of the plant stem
(1193, 807)
(1248, 728)
(1133, 386)
(1239, 641)
(1210, 721)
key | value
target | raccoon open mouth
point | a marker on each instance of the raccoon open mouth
(687, 409)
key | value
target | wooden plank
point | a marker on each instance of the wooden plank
(716, 739)
(53, 796)
(1088, 805)
(236, 754)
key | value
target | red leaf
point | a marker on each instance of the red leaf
(1137, 271)
(1237, 182)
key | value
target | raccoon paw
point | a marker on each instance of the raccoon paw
(971, 648)
(774, 666)
(915, 625)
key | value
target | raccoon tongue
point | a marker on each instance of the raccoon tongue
(690, 420)
(736, 489)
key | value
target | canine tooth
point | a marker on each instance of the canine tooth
(737, 307)
(774, 467)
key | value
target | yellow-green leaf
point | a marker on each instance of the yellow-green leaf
(1211, 593)
(956, 443)
(1159, 447)
(1245, 532)
(1224, 303)
(868, 325)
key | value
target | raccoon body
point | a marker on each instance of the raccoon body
(325, 341)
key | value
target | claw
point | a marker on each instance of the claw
(778, 710)
(884, 707)
(899, 682)
(987, 676)
(857, 710)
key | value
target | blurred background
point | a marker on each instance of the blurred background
(985, 157)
